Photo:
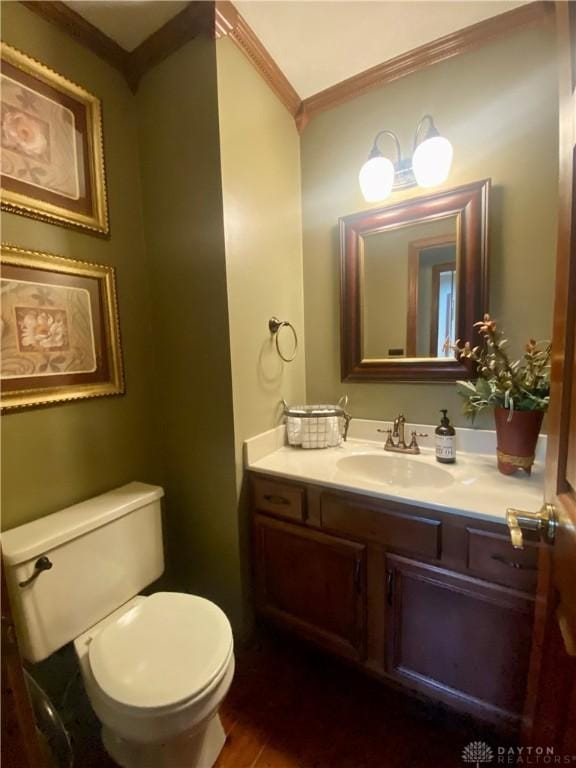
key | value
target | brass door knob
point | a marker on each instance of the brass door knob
(544, 522)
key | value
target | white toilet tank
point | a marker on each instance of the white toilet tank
(103, 552)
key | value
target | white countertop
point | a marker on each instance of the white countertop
(474, 487)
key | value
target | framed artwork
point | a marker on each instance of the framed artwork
(52, 151)
(60, 336)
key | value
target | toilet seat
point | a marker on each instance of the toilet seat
(168, 649)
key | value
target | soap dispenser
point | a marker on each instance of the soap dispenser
(445, 437)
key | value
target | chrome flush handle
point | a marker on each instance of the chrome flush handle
(544, 522)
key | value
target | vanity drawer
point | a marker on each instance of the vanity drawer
(391, 528)
(281, 499)
(491, 556)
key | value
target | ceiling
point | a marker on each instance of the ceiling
(316, 43)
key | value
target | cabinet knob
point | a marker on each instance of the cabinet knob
(274, 498)
(390, 587)
(358, 575)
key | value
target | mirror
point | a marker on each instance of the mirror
(413, 280)
(409, 291)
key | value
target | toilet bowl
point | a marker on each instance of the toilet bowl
(155, 672)
(155, 668)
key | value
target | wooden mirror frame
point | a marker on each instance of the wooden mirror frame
(469, 204)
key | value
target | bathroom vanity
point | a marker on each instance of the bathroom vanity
(387, 573)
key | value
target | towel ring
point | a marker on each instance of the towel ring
(275, 327)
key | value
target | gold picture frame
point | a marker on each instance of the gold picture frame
(52, 146)
(60, 330)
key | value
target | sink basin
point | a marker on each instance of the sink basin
(394, 470)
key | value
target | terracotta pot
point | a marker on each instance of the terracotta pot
(516, 439)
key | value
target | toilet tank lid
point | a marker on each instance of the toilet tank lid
(32, 539)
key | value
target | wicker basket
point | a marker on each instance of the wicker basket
(317, 426)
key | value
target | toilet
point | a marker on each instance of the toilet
(155, 668)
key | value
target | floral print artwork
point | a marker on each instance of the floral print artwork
(41, 329)
(52, 149)
(38, 138)
(46, 330)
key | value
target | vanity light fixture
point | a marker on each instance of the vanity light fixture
(429, 165)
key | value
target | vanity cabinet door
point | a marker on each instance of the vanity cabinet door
(313, 583)
(458, 639)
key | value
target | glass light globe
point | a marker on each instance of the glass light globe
(376, 178)
(431, 161)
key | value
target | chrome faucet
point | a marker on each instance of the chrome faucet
(398, 431)
(396, 442)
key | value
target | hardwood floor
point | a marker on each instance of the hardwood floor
(291, 706)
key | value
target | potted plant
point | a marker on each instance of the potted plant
(519, 392)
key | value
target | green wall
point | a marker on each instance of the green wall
(498, 107)
(55, 456)
(205, 190)
(178, 115)
(260, 168)
(260, 151)
(175, 425)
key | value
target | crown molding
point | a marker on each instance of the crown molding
(221, 19)
(196, 18)
(230, 23)
(443, 48)
(82, 31)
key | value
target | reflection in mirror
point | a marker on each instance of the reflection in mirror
(409, 291)
(443, 315)
(413, 278)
